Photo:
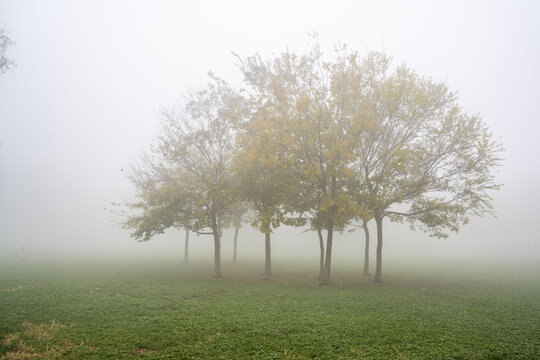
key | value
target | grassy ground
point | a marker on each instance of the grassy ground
(162, 309)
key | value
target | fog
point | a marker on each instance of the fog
(91, 77)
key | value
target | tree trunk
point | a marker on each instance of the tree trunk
(234, 260)
(217, 247)
(186, 248)
(268, 257)
(219, 226)
(321, 246)
(366, 251)
(378, 268)
(329, 237)
(328, 259)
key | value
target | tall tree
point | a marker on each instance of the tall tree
(239, 214)
(421, 157)
(316, 222)
(262, 164)
(303, 100)
(193, 156)
(364, 225)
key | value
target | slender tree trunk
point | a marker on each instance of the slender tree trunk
(378, 268)
(268, 257)
(234, 260)
(366, 251)
(329, 237)
(328, 259)
(217, 247)
(186, 248)
(321, 246)
(219, 226)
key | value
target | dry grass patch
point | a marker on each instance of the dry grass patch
(139, 351)
(40, 333)
(11, 338)
(21, 353)
(19, 287)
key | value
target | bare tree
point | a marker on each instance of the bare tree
(5, 42)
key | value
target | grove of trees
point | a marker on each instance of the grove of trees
(326, 143)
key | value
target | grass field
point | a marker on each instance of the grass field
(163, 309)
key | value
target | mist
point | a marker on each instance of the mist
(91, 78)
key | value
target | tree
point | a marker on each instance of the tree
(421, 157)
(191, 165)
(364, 225)
(366, 247)
(5, 42)
(164, 202)
(262, 164)
(303, 99)
(363, 219)
(316, 222)
(239, 214)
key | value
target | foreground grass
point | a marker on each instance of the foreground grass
(159, 310)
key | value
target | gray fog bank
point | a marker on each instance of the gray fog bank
(90, 79)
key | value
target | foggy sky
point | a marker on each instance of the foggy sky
(91, 77)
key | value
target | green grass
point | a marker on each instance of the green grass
(163, 309)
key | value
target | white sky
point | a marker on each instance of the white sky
(92, 75)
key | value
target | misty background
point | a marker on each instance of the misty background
(91, 77)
